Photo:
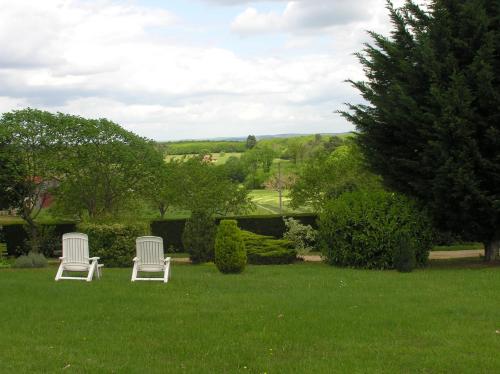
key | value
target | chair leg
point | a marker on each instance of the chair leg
(134, 272)
(91, 271)
(59, 272)
(167, 272)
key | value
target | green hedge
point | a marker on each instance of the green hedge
(267, 250)
(15, 238)
(375, 230)
(113, 243)
(230, 254)
(171, 230)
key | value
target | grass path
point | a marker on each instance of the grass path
(304, 318)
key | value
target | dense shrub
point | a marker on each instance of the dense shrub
(230, 254)
(364, 229)
(16, 238)
(113, 243)
(404, 254)
(302, 236)
(31, 260)
(267, 250)
(199, 236)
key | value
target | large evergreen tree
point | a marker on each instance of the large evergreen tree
(431, 122)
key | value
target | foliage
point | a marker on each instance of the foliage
(302, 236)
(31, 260)
(204, 187)
(251, 142)
(235, 169)
(162, 185)
(113, 243)
(107, 169)
(30, 159)
(430, 125)
(327, 176)
(404, 254)
(363, 229)
(267, 250)
(230, 254)
(172, 230)
(3, 256)
(17, 239)
(199, 236)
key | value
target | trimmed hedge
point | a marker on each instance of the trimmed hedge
(113, 243)
(171, 230)
(267, 250)
(15, 238)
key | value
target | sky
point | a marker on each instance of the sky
(188, 69)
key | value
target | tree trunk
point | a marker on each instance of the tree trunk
(492, 247)
(33, 235)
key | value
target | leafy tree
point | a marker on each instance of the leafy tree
(204, 187)
(431, 122)
(327, 176)
(162, 185)
(30, 153)
(106, 167)
(235, 169)
(251, 142)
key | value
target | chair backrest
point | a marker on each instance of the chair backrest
(150, 250)
(75, 248)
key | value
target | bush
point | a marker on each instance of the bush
(198, 237)
(302, 236)
(266, 250)
(364, 230)
(113, 243)
(3, 256)
(31, 260)
(16, 238)
(404, 254)
(171, 230)
(230, 254)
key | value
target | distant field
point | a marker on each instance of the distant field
(220, 158)
(268, 203)
(194, 147)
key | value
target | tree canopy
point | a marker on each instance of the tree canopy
(430, 125)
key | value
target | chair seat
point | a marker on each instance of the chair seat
(150, 268)
(76, 266)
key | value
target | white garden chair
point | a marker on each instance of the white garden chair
(75, 257)
(150, 258)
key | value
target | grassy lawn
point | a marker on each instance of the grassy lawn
(459, 247)
(305, 318)
(219, 158)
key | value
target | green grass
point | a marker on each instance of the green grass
(267, 202)
(305, 318)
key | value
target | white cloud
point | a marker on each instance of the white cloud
(107, 59)
(303, 15)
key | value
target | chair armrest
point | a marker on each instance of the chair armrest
(135, 259)
(94, 258)
(62, 258)
(167, 259)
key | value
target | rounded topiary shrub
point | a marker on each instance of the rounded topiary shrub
(374, 230)
(198, 237)
(31, 260)
(230, 254)
(113, 243)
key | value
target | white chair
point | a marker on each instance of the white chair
(75, 257)
(150, 258)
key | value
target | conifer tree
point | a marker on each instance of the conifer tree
(431, 122)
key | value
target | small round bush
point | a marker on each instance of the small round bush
(31, 260)
(374, 230)
(230, 253)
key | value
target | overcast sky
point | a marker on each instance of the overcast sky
(188, 69)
